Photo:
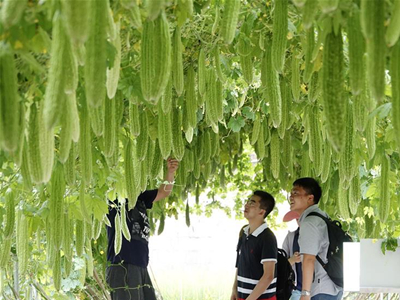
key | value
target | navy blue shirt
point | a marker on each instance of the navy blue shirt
(135, 251)
(299, 270)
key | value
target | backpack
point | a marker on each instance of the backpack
(334, 256)
(285, 275)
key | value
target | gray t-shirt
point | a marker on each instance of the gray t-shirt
(314, 240)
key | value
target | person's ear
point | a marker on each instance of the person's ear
(262, 211)
(311, 199)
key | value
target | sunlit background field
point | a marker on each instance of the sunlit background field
(198, 262)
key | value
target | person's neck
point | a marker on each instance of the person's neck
(300, 212)
(254, 224)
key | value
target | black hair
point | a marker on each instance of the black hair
(267, 202)
(311, 186)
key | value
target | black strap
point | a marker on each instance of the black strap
(326, 221)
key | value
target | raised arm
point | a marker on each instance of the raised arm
(165, 189)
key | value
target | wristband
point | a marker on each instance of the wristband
(305, 293)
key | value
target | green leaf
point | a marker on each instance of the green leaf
(248, 113)
(100, 208)
(382, 111)
(236, 123)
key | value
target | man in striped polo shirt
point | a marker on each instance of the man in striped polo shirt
(255, 277)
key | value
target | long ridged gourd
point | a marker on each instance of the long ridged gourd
(164, 133)
(178, 146)
(273, 91)
(260, 145)
(395, 77)
(11, 12)
(96, 54)
(347, 159)
(80, 230)
(85, 143)
(132, 173)
(229, 20)
(217, 63)
(286, 99)
(334, 101)
(96, 115)
(113, 73)
(256, 129)
(5, 252)
(343, 201)
(393, 30)
(275, 154)
(89, 256)
(384, 191)
(244, 46)
(134, 13)
(201, 72)
(326, 164)
(315, 139)
(56, 268)
(70, 130)
(47, 145)
(154, 8)
(142, 142)
(69, 166)
(67, 236)
(295, 79)
(134, 119)
(156, 165)
(373, 27)
(309, 12)
(191, 99)
(33, 143)
(212, 96)
(370, 133)
(246, 64)
(10, 215)
(177, 64)
(9, 100)
(118, 234)
(279, 33)
(22, 242)
(76, 19)
(308, 48)
(354, 194)
(356, 52)
(166, 99)
(155, 58)
(110, 123)
(57, 190)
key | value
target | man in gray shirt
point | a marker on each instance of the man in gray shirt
(313, 241)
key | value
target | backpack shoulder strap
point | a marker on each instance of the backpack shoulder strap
(314, 213)
(326, 221)
(240, 237)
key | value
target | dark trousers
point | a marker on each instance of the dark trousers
(129, 282)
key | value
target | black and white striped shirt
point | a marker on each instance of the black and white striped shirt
(253, 250)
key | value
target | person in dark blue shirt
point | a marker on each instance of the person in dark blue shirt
(291, 247)
(127, 274)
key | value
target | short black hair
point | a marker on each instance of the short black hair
(311, 186)
(267, 202)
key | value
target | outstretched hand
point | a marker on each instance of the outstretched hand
(172, 165)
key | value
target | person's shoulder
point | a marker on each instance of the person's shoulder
(269, 234)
